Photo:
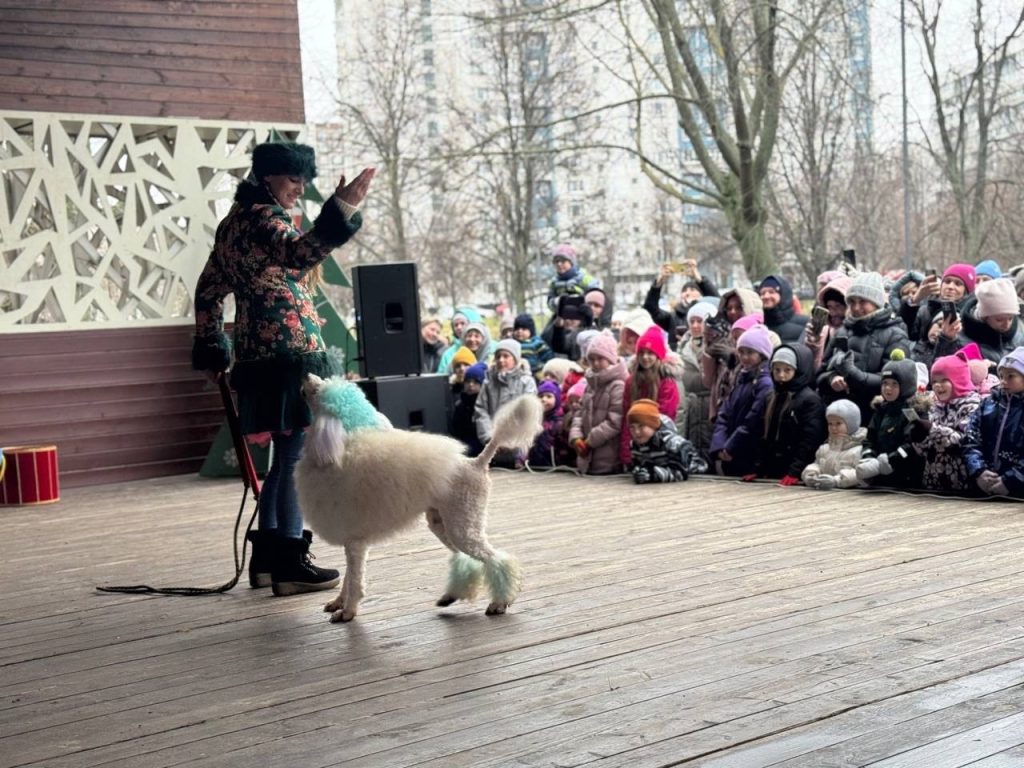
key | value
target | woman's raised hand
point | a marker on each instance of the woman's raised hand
(354, 192)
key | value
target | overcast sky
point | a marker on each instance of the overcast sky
(316, 20)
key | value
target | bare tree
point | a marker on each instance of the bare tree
(725, 66)
(965, 107)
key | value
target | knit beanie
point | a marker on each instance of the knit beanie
(644, 412)
(603, 345)
(828, 276)
(284, 158)
(550, 388)
(997, 297)
(702, 309)
(653, 339)
(525, 321)
(479, 328)
(747, 322)
(1014, 360)
(463, 355)
(846, 410)
(638, 321)
(576, 390)
(957, 370)
(770, 282)
(869, 286)
(904, 372)
(962, 272)
(506, 323)
(476, 372)
(583, 339)
(835, 290)
(758, 340)
(557, 367)
(989, 268)
(971, 352)
(786, 356)
(511, 346)
(564, 251)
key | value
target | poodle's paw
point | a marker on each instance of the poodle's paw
(342, 616)
(445, 600)
(496, 609)
(335, 606)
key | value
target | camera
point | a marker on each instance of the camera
(850, 256)
(819, 318)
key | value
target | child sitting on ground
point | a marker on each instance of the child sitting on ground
(649, 380)
(535, 352)
(550, 448)
(738, 426)
(463, 426)
(461, 361)
(835, 464)
(993, 444)
(895, 462)
(794, 418)
(938, 436)
(596, 426)
(659, 454)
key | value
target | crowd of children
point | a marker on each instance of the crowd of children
(915, 383)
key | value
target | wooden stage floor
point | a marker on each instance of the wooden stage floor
(703, 624)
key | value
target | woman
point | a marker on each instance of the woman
(273, 269)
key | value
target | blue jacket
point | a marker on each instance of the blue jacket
(739, 423)
(995, 440)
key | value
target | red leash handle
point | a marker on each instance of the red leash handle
(241, 449)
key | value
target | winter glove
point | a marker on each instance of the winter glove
(789, 480)
(749, 478)
(581, 447)
(884, 465)
(987, 481)
(869, 468)
(919, 430)
(1000, 489)
(641, 476)
(826, 483)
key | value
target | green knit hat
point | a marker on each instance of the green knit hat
(284, 159)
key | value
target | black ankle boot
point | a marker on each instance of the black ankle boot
(293, 572)
(262, 546)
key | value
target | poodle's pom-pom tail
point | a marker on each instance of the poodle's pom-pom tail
(516, 424)
(325, 441)
(504, 578)
(465, 575)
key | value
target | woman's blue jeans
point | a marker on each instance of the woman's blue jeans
(279, 504)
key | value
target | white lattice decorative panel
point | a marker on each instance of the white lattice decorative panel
(110, 219)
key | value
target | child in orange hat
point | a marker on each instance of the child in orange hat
(658, 454)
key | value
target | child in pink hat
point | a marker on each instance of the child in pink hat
(648, 379)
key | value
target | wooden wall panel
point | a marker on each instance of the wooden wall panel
(120, 404)
(211, 59)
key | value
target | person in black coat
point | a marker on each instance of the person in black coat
(780, 315)
(990, 318)
(696, 287)
(434, 345)
(922, 310)
(794, 417)
(855, 356)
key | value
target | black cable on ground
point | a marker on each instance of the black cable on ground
(144, 589)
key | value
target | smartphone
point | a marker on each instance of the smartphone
(677, 267)
(930, 272)
(819, 318)
(841, 343)
(910, 414)
(948, 311)
(850, 256)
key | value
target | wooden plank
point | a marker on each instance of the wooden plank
(240, 54)
(286, 36)
(264, 8)
(209, 19)
(284, 111)
(752, 606)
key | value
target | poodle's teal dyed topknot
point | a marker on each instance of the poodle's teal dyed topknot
(347, 403)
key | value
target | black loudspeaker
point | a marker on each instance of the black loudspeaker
(412, 402)
(387, 319)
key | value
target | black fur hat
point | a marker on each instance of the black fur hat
(285, 159)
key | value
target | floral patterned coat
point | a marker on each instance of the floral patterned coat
(261, 258)
(944, 467)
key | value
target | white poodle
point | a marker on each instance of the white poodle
(360, 481)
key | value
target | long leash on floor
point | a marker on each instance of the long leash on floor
(252, 483)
